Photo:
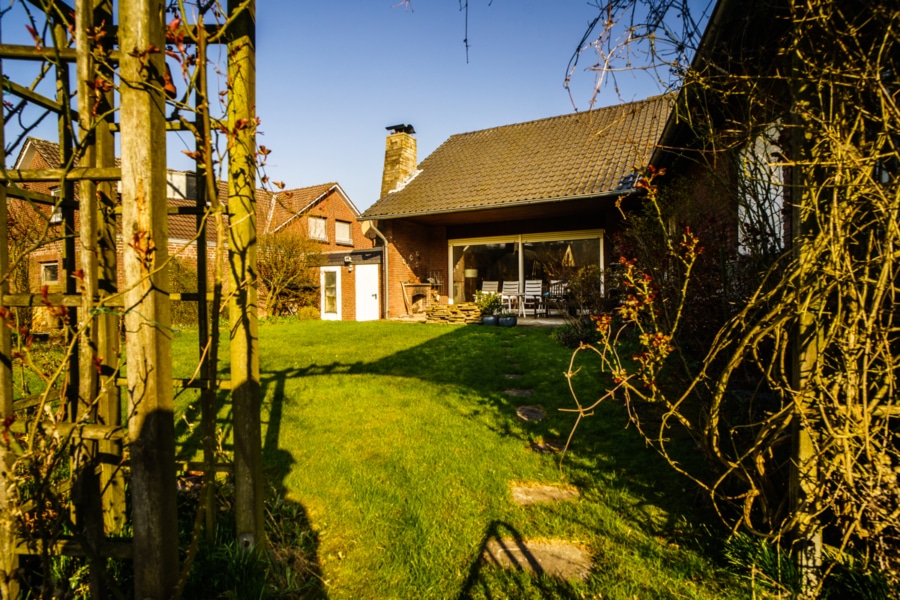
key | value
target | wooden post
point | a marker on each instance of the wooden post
(807, 534)
(8, 558)
(209, 352)
(151, 427)
(242, 269)
(86, 502)
(112, 482)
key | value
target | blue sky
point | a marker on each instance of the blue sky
(332, 74)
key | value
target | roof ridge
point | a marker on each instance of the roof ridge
(592, 111)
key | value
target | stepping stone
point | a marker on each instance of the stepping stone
(518, 393)
(531, 413)
(546, 447)
(513, 376)
(536, 493)
(555, 558)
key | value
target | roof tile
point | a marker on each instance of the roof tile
(581, 154)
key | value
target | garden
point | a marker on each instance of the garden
(392, 451)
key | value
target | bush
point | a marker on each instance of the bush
(576, 332)
(309, 313)
(489, 303)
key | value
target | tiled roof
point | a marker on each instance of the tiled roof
(571, 156)
(284, 205)
(48, 150)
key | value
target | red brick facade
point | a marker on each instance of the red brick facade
(288, 211)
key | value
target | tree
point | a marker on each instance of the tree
(288, 271)
(791, 103)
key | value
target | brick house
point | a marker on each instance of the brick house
(517, 202)
(349, 279)
(324, 212)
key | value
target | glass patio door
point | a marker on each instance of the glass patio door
(547, 256)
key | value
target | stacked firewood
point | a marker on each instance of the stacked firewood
(464, 313)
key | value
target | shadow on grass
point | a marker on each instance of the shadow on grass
(488, 580)
(291, 536)
(607, 456)
(293, 544)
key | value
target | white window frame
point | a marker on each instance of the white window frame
(338, 239)
(319, 231)
(56, 216)
(550, 236)
(45, 266)
(335, 316)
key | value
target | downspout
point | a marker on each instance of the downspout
(384, 252)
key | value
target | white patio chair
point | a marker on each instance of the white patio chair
(490, 287)
(510, 294)
(533, 297)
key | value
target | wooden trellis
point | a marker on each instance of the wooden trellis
(128, 54)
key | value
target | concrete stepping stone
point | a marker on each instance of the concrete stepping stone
(560, 559)
(518, 393)
(513, 376)
(537, 493)
(531, 413)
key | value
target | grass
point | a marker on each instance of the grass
(397, 443)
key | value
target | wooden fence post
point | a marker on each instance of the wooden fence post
(242, 268)
(8, 558)
(147, 309)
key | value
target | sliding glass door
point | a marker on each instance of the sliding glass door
(548, 257)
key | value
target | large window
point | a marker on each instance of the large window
(548, 257)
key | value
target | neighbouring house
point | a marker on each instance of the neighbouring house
(324, 212)
(520, 202)
(350, 275)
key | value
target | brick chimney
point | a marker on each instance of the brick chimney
(399, 157)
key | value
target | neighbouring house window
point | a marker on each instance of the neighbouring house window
(547, 257)
(50, 272)
(330, 286)
(342, 233)
(56, 215)
(317, 229)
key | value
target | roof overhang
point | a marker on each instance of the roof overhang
(519, 211)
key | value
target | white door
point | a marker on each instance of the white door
(330, 301)
(367, 304)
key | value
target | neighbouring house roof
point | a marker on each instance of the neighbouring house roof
(580, 155)
(273, 209)
(49, 151)
(282, 207)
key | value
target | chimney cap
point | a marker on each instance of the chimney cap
(402, 128)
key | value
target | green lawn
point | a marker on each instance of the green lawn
(397, 444)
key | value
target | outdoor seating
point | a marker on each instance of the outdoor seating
(490, 287)
(533, 297)
(510, 294)
(556, 296)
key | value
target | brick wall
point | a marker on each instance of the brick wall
(414, 252)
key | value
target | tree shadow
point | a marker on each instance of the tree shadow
(605, 452)
(522, 577)
(292, 540)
